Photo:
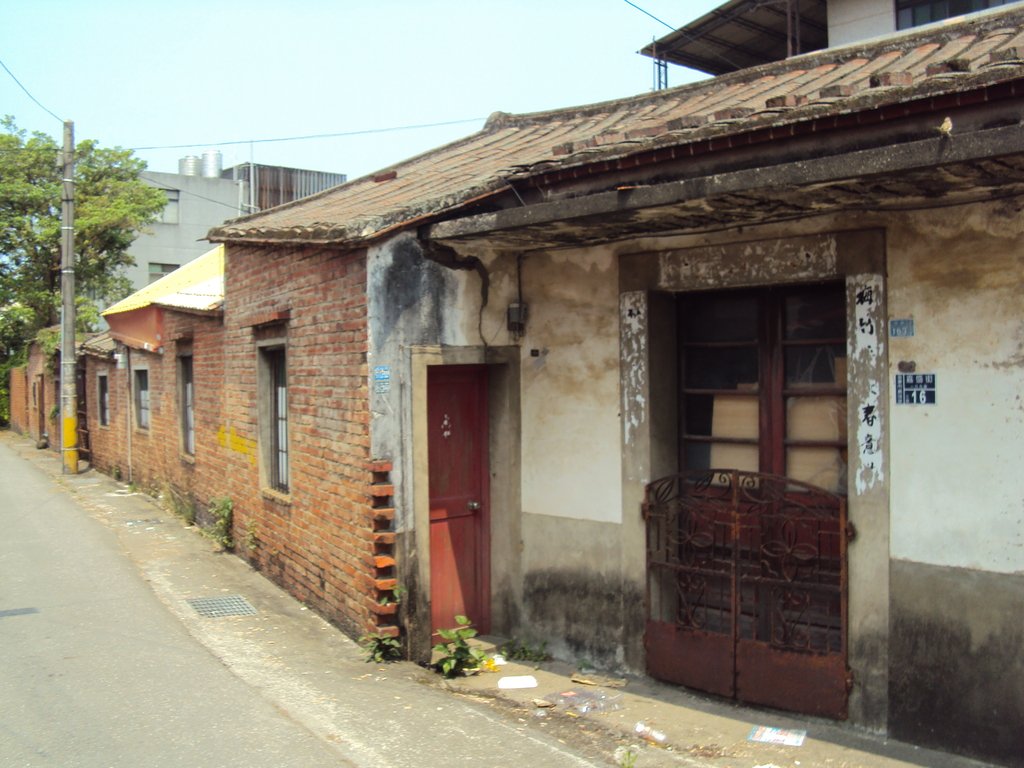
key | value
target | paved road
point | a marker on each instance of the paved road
(95, 671)
(104, 663)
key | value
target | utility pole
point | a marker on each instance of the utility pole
(68, 364)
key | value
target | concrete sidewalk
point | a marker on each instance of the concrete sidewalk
(320, 677)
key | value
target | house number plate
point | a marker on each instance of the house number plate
(915, 389)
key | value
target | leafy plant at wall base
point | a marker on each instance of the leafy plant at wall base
(457, 657)
(380, 649)
(394, 597)
(514, 650)
(221, 509)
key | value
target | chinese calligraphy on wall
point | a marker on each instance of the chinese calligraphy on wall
(867, 350)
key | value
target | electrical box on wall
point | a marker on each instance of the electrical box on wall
(517, 312)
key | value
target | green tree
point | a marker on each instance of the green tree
(112, 206)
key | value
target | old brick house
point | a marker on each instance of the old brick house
(192, 402)
(154, 386)
(576, 375)
(35, 392)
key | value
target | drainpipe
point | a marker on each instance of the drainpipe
(131, 411)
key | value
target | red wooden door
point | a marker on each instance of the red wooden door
(459, 516)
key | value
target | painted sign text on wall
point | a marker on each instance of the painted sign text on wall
(867, 348)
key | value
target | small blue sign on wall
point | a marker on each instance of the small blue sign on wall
(381, 379)
(915, 389)
(902, 328)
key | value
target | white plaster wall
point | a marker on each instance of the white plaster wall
(850, 21)
(957, 483)
(570, 390)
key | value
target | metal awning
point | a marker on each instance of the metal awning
(745, 33)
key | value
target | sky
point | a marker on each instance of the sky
(237, 76)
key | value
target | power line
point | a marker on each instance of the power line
(684, 34)
(59, 119)
(161, 185)
(391, 129)
(648, 13)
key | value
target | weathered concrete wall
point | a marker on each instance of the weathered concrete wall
(850, 21)
(571, 459)
(595, 399)
(410, 302)
(956, 464)
(554, 428)
(575, 595)
(957, 489)
(427, 309)
(957, 646)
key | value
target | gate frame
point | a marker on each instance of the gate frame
(783, 669)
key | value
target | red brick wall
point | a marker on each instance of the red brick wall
(108, 445)
(154, 458)
(318, 540)
(42, 394)
(324, 541)
(19, 394)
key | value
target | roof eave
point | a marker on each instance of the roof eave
(359, 234)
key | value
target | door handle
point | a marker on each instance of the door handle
(473, 506)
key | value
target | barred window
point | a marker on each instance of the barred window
(142, 399)
(188, 413)
(103, 399)
(274, 416)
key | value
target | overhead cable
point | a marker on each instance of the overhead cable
(27, 93)
(312, 136)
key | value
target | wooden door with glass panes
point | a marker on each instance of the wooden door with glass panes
(746, 545)
(763, 382)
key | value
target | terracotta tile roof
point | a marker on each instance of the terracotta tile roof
(950, 58)
(101, 345)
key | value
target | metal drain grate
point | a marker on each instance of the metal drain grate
(216, 607)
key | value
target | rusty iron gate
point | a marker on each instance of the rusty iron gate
(746, 589)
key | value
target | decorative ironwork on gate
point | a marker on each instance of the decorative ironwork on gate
(746, 588)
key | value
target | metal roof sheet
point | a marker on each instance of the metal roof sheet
(197, 285)
(745, 33)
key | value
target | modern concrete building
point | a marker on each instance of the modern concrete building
(749, 33)
(203, 195)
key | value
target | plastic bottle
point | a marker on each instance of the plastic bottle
(647, 733)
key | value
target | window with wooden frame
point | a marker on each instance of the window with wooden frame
(274, 416)
(186, 393)
(142, 398)
(763, 382)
